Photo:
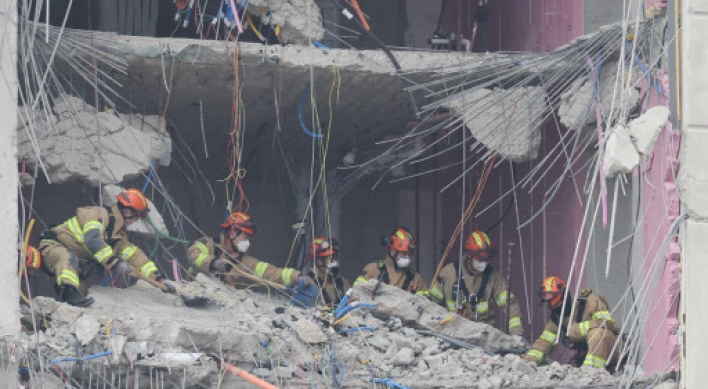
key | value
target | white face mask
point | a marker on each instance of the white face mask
(403, 262)
(243, 246)
(134, 226)
(479, 265)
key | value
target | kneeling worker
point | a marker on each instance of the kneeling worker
(480, 285)
(396, 269)
(325, 254)
(592, 329)
(206, 256)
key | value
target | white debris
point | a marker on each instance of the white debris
(86, 329)
(79, 143)
(645, 130)
(620, 155)
(505, 121)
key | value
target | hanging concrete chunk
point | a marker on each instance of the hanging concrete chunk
(645, 130)
(505, 121)
(620, 154)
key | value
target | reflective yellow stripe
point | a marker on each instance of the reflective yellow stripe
(148, 268)
(200, 259)
(286, 276)
(594, 361)
(202, 248)
(483, 307)
(501, 299)
(192, 271)
(422, 293)
(549, 336)
(73, 224)
(437, 292)
(584, 327)
(536, 354)
(128, 252)
(70, 276)
(451, 305)
(261, 269)
(93, 225)
(514, 322)
(603, 315)
(103, 254)
(360, 280)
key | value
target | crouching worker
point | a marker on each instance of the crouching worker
(592, 334)
(226, 258)
(96, 235)
(325, 254)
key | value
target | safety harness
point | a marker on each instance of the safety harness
(384, 277)
(461, 285)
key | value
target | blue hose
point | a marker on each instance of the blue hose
(302, 122)
(86, 358)
(149, 176)
(348, 330)
(350, 308)
(389, 383)
(644, 69)
(342, 303)
(319, 44)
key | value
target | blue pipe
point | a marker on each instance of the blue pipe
(644, 69)
(348, 330)
(389, 383)
(342, 303)
(320, 45)
(302, 122)
(86, 358)
(353, 307)
(149, 176)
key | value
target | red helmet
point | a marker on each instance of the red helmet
(135, 200)
(239, 221)
(401, 240)
(479, 244)
(321, 247)
(552, 290)
(33, 259)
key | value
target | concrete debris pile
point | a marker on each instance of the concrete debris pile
(300, 20)
(78, 143)
(145, 336)
(505, 121)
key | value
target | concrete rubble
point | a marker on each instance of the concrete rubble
(162, 340)
(67, 138)
(505, 121)
(300, 20)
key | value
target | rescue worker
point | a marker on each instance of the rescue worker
(592, 329)
(96, 234)
(325, 254)
(396, 269)
(480, 284)
(218, 257)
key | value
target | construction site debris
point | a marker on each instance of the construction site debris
(620, 155)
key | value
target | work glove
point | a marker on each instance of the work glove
(170, 288)
(304, 296)
(120, 269)
(218, 266)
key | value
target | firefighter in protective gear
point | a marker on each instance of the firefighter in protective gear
(592, 334)
(97, 234)
(396, 269)
(325, 255)
(480, 285)
(209, 255)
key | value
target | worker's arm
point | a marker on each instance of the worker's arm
(601, 318)
(92, 222)
(370, 271)
(448, 276)
(543, 345)
(506, 300)
(419, 287)
(200, 255)
(286, 276)
(132, 254)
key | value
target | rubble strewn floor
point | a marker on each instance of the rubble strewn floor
(259, 332)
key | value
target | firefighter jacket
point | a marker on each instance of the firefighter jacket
(100, 233)
(594, 327)
(389, 273)
(475, 303)
(333, 287)
(205, 250)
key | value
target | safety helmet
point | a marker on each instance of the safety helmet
(135, 200)
(479, 244)
(551, 291)
(239, 221)
(401, 240)
(33, 259)
(321, 247)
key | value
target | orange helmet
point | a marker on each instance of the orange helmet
(479, 244)
(401, 240)
(321, 247)
(551, 291)
(239, 221)
(135, 200)
(33, 259)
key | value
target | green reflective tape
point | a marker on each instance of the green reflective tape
(200, 260)
(103, 254)
(437, 292)
(286, 276)
(501, 299)
(538, 355)
(514, 322)
(148, 268)
(93, 225)
(451, 305)
(128, 252)
(261, 269)
(70, 276)
(360, 280)
(548, 336)
(483, 307)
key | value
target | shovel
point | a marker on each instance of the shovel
(188, 301)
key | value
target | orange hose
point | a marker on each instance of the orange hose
(360, 14)
(233, 370)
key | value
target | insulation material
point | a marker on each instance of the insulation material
(79, 144)
(505, 121)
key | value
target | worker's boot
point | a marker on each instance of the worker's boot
(72, 296)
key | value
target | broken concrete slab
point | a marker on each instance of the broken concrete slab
(645, 130)
(86, 329)
(300, 21)
(620, 155)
